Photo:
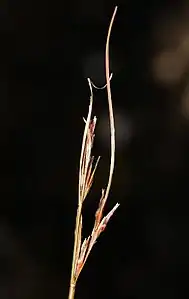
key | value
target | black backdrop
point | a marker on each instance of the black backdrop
(47, 51)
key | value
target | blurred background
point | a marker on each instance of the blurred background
(48, 49)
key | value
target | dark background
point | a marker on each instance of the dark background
(47, 51)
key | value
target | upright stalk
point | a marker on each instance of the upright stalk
(73, 279)
(72, 291)
(81, 250)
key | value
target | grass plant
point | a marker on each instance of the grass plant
(87, 169)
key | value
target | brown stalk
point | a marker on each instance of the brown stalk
(86, 176)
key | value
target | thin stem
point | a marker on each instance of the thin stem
(76, 241)
(72, 291)
(111, 114)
